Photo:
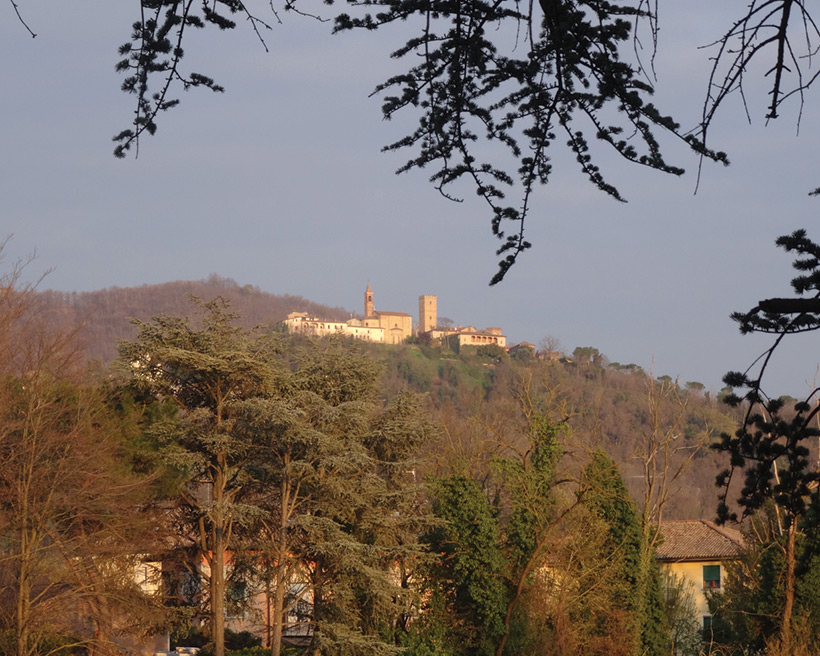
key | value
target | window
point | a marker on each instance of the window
(711, 577)
(237, 599)
(707, 628)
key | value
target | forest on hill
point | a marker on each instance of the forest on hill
(475, 396)
(613, 406)
(105, 315)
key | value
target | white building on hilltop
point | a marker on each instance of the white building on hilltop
(388, 327)
(384, 327)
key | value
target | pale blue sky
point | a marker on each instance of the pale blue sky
(279, 183)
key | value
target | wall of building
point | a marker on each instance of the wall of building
(397, 326)
(692, 573)
(481, 339)
(298, 322)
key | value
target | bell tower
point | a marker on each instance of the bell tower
(368, 302)
(428, 315)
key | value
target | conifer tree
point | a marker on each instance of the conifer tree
(306, 475)
(360, 523)
(770, 449)
(206, 371)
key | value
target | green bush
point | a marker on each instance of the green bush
(242, 643)
(249, 651)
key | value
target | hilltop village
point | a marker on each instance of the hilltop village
(390, 327)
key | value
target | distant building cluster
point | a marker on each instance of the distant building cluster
(388, 327)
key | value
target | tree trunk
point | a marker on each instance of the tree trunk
(23, 614)
(218, 593)
(218, 544)
(99, 611)
(278, 614)
(788, 601)
(318, 594)
(282, 567)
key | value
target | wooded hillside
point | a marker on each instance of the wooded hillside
(472, 394)
(476, 396)
(105, 314)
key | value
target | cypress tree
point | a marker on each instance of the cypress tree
(471, 566)
(605, 493)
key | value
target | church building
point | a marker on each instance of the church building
(397, 326)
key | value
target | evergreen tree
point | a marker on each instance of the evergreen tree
(747, 615)
(770, 449)
(207, 371)
(470, 573)
(315, 473)
(604, 493)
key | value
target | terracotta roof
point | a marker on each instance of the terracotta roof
(698, 540)
(392, 314)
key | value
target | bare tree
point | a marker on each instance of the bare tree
(70, 508)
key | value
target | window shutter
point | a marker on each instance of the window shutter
(711, 576)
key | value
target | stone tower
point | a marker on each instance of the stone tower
(428, 312)
(368, 302)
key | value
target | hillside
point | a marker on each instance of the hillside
(474, 396)
(477, 396)
(105, 315)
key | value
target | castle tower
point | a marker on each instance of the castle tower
(428, 312)
(368, 302)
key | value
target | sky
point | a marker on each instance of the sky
(281, 183)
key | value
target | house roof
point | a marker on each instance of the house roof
(698, 539)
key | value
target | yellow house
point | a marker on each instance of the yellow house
(697, 551)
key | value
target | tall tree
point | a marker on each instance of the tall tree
(294, 465)
(207, 371)
(605, 494)
(529, 481)
(498, 533)
(361, 523)
(471, 568)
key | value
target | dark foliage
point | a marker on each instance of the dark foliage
(775, 435)
(493, 85)
(152, 58)
(771, 446)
